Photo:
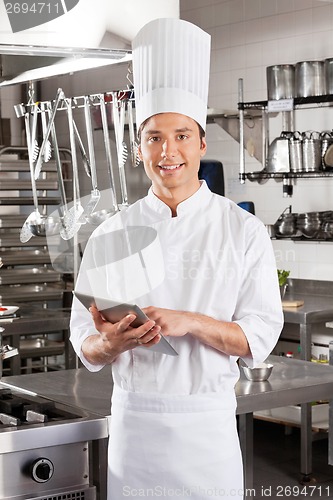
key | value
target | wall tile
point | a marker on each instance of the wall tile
(236, 11)
(222, 13)
(322, 17)
(252, 10)
(221, 37)
(268, 8)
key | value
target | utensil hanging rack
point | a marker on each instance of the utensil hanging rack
(78, 102)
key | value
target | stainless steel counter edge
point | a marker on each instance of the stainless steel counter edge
(77, 430)
(289, 383)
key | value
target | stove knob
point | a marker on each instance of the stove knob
(42, 470)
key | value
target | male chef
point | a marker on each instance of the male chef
(173, 427)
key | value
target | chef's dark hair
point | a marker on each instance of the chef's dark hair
(202, 133)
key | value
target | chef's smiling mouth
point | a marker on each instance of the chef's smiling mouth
(176, 166)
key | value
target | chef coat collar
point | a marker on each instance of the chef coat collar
(197, 201)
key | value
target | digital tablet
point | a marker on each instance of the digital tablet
(115, 311)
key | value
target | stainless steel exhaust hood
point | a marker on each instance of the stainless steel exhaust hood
(20, 63)
(54, 48)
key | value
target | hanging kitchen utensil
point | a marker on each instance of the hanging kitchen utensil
(48, 149)
(71, 219)
(133, 144)
(85, 159)
(119, 123)
(97, 217)
(60, 95)
(63, 208)
(108, 151)
(95, 193)
(35, 218)
(34, 143)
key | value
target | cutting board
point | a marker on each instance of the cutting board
(292, 303)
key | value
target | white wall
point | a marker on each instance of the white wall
(248, 36)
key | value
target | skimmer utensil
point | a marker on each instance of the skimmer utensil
(71, 223)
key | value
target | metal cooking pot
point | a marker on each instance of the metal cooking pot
(280, 81)
(285, 226)
(296, 152)
(310, 78)
(326, 142)
(312, 156)
(278, 154)
(328, 66)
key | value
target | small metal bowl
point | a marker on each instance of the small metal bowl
(260, 373)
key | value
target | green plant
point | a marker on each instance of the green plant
(283, 276)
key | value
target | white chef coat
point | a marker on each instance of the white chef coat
(218, 261)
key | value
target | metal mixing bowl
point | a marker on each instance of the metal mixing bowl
(258, 374)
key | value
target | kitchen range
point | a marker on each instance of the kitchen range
(46, 448)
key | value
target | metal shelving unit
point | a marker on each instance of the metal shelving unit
(259, 110)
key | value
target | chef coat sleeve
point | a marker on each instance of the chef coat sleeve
(81, 322)
(259, 309)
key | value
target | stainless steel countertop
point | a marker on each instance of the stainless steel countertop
(316, 308)
(292, 381)
(318, 301)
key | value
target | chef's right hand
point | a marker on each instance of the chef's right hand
(116, 338)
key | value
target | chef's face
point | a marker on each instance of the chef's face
(171, 149)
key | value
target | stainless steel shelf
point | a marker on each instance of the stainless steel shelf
(9, 240)
(25, 185)
(23, 165)
(27, 200)
(12, 294)
(11, 220)
(262, 174)
(33, 275)
(26, 258)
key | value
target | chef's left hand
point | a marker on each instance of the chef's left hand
(172, 323)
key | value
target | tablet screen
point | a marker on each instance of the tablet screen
(115, 311)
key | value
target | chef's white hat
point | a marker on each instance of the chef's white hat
(171, 70)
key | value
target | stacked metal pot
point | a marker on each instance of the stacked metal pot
(312, 225)
(303, 79)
